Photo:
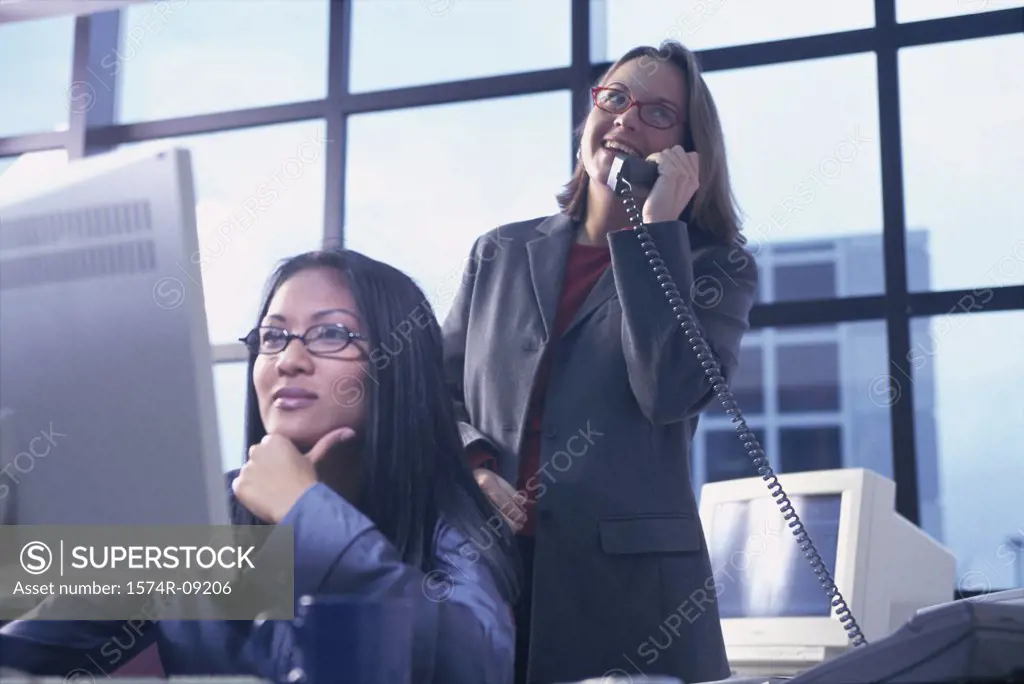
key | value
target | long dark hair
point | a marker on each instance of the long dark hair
(415, 472)
(714, 208)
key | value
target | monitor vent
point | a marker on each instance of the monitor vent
(94, 223)
(78, 264)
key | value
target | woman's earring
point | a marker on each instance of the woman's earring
(579, 153)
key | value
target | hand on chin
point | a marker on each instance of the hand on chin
(278, 472)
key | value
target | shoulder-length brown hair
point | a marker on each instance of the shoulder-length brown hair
(713, 208)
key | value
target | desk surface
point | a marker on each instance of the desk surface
(16, 678)
(10, 677)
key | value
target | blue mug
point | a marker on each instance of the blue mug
(352, 640)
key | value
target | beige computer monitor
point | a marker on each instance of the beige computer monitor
(776, 617)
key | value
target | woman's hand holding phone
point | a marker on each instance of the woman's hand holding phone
(678, 180)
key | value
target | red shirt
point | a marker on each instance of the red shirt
(583, 268)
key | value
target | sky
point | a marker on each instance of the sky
(423, 184)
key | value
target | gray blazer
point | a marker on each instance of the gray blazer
(622, 578)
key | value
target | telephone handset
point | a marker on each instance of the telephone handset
(627, 173)
(634, 171)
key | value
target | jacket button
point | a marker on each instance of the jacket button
(550, 432)
(529, 345)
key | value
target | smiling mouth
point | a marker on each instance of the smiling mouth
(621, 148)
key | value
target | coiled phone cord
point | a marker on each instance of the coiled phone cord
(713, 373)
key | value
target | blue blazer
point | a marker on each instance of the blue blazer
(469, 637)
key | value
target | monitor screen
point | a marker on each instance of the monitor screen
(759, 568)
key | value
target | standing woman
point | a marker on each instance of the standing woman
(579, 394)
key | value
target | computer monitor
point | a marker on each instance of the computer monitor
(107, 412)
(776, 617)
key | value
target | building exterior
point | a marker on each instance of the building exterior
(827, 400)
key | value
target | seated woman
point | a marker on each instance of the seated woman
(365, 462)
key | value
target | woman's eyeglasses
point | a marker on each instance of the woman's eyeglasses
(329, 338)
(617, 101)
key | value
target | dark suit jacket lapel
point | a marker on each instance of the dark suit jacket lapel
(548, 253)
(604, 288)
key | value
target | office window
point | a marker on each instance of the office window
(828, 398)
(919, 10)
(618, 25)
(186, 58)
(795, 281)
(424, 183)
(35, 75)
(810, 448)
(808, 376)
(259, 199)
(962, 160)
(401, 43)
(747, 384)
(725, 456)
(803, 155)
(230, 385)
(970, 472)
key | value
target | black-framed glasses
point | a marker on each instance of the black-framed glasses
(618, 101)
(328, 338)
